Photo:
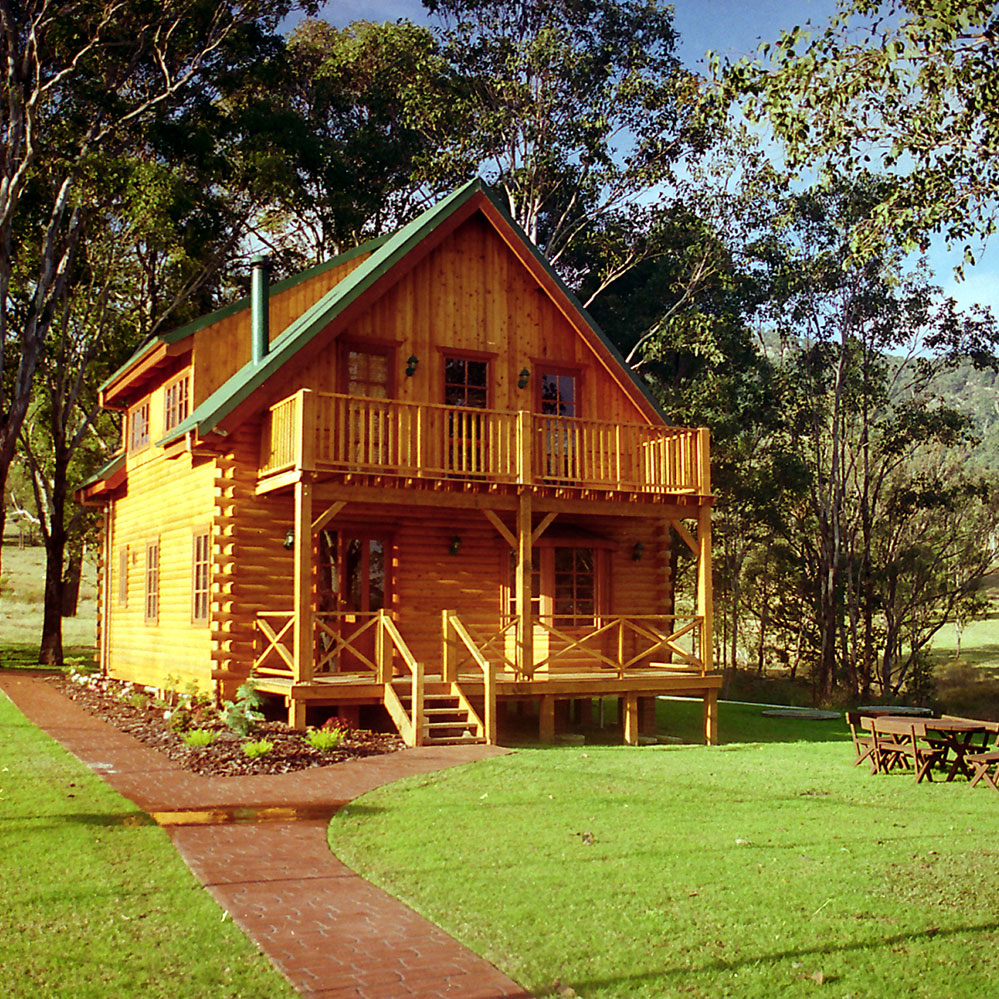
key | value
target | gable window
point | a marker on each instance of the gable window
(559, 393)
(466, 386)
(366, 370)
(176, 402)
(200, 577)
(152, 601)
(465, 382)
(138, 426)
(560, 399)
(123, 576)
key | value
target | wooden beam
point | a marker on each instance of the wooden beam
(546, 719)
(705, 599)
(327, 515)
(711, 717)
(630, 705)
(542, 527)
(507, 535)
(525, 622)
(685, 536)
(302, 629)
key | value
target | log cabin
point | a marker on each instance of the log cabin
(416, 479)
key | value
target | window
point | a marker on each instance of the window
(138, 426)
(176, 402)
(574, 587)
(123, 576)
(558, 393)
(152, 582)
(465, 382)
(200, 580)
(367, 371)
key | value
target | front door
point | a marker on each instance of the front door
(353, 586)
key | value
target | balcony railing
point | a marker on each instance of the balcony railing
(322, 431)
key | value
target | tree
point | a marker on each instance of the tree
(83, 81)
(910, 84)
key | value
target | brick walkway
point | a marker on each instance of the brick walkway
(330, 932)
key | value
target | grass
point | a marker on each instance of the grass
(97, 902)
(745, 870)
(979, 644)
(21, 595)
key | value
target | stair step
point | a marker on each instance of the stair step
(461, 723)
(460, 740)
(446, 711)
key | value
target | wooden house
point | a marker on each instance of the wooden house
(417, 476)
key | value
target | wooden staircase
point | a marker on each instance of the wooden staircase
(449, 719)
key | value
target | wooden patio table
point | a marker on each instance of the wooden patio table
(952, 738)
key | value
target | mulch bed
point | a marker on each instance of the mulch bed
(111, 701)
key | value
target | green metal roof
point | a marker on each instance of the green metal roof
(389, 251)
(233, 308)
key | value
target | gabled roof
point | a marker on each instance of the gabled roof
(439, 220)
(151, 350)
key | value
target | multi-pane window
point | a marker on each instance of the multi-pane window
(200, 578)
(535, 584)
(176, 402)
(367, 373)
(138, 426)
(152, 581)
(574, 597)
(123, 576)
(558, 394)
(465, 382)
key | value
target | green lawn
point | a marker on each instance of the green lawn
(96, 901)
(745, 870)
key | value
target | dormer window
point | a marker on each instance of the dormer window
(176, 401)
(138, 426)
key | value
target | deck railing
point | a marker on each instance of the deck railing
(323, 431)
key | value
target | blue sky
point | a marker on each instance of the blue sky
(734, 28)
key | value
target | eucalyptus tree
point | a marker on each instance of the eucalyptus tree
(82, 82)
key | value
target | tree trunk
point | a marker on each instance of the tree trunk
(50, 651)
(71, 585)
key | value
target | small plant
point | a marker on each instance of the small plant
(254, 750)
(179, 720)
(242, 715)
(198, 737)
(138, 700)
(325, 739)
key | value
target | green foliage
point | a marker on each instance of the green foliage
(254, 750)
(199, 737)
(243, 715)
(325, 739)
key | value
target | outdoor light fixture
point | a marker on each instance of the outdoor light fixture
(523, 377)
(411, 365)
(289, 538)
(637, 552)
(455, 546)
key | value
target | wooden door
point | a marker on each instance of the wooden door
(559, 401)
(367, 375)
(466, 389)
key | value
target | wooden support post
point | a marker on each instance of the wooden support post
(631, 718)
(647, 715)
(296, 714)
(711, 717)
(418, 707)
(302, 628)
(489, 706)
(449, 652)
(525, 622)
(306, 430)
(705, 601)
(546, 719)
(383, 650)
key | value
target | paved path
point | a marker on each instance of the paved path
(330, 932)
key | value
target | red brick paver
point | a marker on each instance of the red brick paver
(330, 932)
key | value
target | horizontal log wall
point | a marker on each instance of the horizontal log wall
(169, 500)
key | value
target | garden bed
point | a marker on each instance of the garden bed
(132, 709)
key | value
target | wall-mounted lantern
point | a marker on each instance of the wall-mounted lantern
(455, 545)
(411, 365)
(289, 538)
(523, 378)
(637, 552)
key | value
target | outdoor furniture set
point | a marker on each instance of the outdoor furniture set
(949, 744)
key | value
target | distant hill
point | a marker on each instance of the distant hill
(977, 394)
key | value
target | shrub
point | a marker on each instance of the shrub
(257, 749)
(242, 715)
(325, 739)
(178, 720)
(198, 737)
(139, 700)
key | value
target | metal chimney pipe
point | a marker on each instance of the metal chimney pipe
(260, 294)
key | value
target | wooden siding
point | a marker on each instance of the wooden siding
(221, 349)
(168, 500)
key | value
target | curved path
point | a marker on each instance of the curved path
(258, 844)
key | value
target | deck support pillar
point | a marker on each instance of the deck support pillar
(296, 714)
(525, 622)
(630, 705)
(302, 628)
(711, 717)
(705, 602)
(546, 719)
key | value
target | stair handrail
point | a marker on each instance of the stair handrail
(453, 622)
(415, 724)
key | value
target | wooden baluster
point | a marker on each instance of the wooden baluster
(449, 657)
(489, 706)
(418, 707)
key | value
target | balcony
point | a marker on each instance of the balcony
(333, 433)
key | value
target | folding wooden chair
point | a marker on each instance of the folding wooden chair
(982, 763)
(899, 745)
(863, 742)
